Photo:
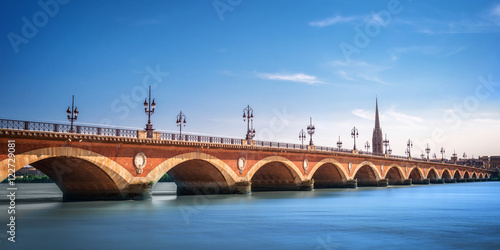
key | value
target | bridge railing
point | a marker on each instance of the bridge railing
(65, 128)
(89, 130)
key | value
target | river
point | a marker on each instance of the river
(442, 216)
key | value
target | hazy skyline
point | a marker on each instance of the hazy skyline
(432, 65)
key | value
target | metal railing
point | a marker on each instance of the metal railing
(88, 130)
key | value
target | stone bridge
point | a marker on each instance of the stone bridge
(108, 165)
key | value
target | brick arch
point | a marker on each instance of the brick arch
(419, 171)
(328, 173)
(371, 165)
(116, 172)
(481, 175)
(72, 168)
(393, 181)
(435, 171)
(294, 170)
(387, 168)
(226, 171)
(467, 175)
(474, 175)
(460, 176)
(337, 164)
(449, 173)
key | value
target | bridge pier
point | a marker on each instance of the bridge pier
(461, 180)
(307, 185)
(450, 181)
(437, 181)
(351, 183)
(382, 183)
(422, 182)
(243, 187)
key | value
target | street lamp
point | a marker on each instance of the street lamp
(434, 156)
(389, 151)
(442, 153)
(354, 134)
(248, 116)
(180, 122)
(302, 136)
(310, 130)
(409, 145)
(367, 146)
(339, 144)
(149, 108)
(454, 155)
(72, 113)
(465, 155)
(422, 155)
(386, 143)
(427, 150)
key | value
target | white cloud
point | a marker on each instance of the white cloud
(298, 77)
(359, 70)
(333, 20)
(392, 113)
(343, 74)
(369, 115)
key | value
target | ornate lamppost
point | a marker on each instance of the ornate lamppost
(181, 120)
(454, 155)
(339, 144)
(354, 134)
(72, 113)
(389, 150)
(427, 150)
(310, 130)
(367, 146)
(434, 156)
(422, 155)
(409, 145)
(149, 108)
(386, 143)
(302, 136)
(442, 153)
(248, 116)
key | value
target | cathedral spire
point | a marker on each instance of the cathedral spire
(377, 133)
(377, 121)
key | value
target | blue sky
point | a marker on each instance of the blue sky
(432, 64)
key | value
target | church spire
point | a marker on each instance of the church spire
(377, 121)
(377, 133)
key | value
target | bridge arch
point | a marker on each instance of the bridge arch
(394, 175)
(367, 174)
(72, 169)
(457, 176)
(274, 173)
(196, 173)
(466, 175)
(416, 175)
(328, 173)
(446, 174)
(474, 176)
(432, 174)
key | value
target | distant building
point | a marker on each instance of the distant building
(29, 170)
(495, 162)
(377, 133)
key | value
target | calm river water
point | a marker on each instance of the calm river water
(449, 216)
